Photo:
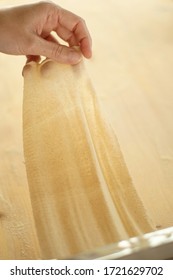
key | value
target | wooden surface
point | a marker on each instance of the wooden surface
(132, 71)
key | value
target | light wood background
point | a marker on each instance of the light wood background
(131, 70)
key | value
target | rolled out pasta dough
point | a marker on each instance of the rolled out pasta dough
(81, 192)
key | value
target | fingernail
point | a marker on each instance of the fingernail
(74, 57)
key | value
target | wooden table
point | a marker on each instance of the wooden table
(131, 70)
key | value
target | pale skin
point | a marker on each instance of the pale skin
(26, 30)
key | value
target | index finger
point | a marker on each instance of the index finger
(77, 27)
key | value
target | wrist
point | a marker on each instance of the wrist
(7, 29)
(2, 29)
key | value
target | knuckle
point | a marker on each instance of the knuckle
(57, 51)
(45, 4)
(82, 21)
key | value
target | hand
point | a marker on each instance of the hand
(26, 30)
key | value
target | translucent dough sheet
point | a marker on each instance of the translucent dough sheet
(81, 192)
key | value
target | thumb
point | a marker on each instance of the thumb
(56, 51)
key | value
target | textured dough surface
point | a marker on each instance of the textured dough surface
(81, 192)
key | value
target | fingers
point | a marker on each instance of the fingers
(69, 27)
(84, 39)
(55, 51)
(67, 36)
(73, 29)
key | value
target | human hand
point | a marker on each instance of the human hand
(26, 30)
